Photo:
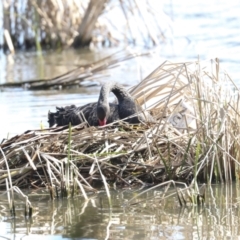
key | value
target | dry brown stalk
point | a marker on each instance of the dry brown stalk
(183, 143)
(63, 23)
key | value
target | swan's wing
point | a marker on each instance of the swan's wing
(89, 111)
(63, 116)
(129, 108)
(75, 115)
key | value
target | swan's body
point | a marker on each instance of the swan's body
(99, 113)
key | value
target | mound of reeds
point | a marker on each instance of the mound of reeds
(194, 136)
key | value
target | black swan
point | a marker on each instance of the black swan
(102, 112)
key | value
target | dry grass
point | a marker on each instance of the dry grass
(195, 137)
(57, 23)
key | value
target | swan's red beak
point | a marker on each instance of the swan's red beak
(102, 122)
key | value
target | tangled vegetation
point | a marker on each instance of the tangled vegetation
(194, 137)
(56, 24)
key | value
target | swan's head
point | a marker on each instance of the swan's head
(102, 114)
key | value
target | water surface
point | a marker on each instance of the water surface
(197, 29)
(207, 29)
(151, 218)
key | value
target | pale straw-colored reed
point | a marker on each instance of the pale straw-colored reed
(194, 137)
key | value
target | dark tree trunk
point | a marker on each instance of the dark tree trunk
(94, 10)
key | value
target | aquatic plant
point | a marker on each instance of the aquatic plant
(57, 24)
(191, 195)
(194, 137)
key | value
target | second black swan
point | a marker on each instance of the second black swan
(102, 112)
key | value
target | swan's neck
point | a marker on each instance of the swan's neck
(103, 96)
(117, 90)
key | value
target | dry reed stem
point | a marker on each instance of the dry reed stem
(57, 23)
(201, 143)
(79, 74)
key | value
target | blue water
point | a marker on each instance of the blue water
(193, 29)
(207, 29)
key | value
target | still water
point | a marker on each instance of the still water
(204, 29)
(151, 218)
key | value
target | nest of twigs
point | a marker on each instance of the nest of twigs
(194, 136)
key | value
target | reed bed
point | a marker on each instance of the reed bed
(62, 23)
(194, 137)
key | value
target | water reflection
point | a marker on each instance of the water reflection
(204, 29)
(151, 219)
(24, 66)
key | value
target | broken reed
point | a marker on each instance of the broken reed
(91, 72)
(186, 195)
(221, 205)
(189, 143)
